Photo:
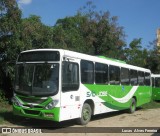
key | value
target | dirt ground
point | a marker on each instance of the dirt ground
(122, 119)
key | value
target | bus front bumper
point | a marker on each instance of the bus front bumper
(52, 114)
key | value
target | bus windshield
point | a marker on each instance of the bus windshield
(37, 79)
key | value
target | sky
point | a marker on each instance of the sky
(140, 18)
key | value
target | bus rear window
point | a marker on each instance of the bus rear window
(39, 56)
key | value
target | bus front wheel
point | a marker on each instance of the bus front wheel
(85, 114)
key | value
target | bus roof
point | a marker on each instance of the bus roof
(100, 59)
(155, 75)
(112, 59)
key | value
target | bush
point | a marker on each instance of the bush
(3, 100)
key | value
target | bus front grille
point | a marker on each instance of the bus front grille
(32, 112)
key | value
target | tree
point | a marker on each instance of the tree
(135, 54)
(102, 32)
(91, 32)
(10, 19)
(153, 61)
(67, 33)
(35, 34)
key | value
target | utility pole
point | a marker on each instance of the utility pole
(158, 40)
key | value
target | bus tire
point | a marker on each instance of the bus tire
(132, 107)
(85, 114)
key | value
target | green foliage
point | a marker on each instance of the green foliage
(10, 22)
(67, 33)
(135, 54)
(153, 62)
(90, 32)
(5, 109)
(35, 34)
(10, 19)
(151, 105)
(3, 100)
(102, 32)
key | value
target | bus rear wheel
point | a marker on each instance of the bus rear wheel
(85, 114)
(132, 105)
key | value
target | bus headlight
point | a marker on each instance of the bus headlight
(16, 102)
(52, 104)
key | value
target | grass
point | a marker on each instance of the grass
(6, 115)
(5, 109)
(151, 105)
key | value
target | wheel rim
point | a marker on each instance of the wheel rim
(86, 114)
(133, 106)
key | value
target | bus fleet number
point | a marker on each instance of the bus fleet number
(93, 94)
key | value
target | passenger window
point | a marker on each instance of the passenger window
(147, 79)
(157, 82)
(114, 75)
(140, 78)
(70, 76)
(125, 76)
(87, 72)
(101, 73)
(153, 82)
(133, 77)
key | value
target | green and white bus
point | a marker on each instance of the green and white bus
(155, 86)
(58, 85)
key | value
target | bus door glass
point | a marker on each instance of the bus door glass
(70, 96)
